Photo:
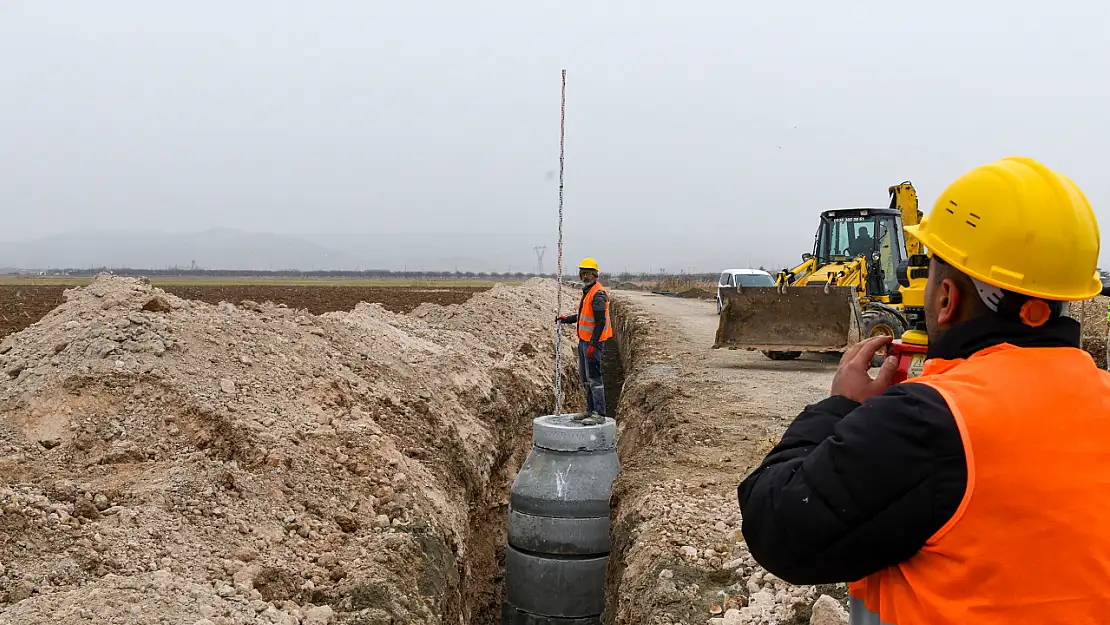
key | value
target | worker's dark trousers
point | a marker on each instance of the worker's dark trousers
(589, 370)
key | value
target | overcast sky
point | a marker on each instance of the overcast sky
(729, 125)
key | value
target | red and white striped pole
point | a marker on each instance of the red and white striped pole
(559, 269)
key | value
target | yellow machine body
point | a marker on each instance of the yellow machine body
(864, 277)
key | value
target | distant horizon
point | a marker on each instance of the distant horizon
(253, 250)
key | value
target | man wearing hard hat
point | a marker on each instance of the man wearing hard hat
(979, 491)
(594, 329)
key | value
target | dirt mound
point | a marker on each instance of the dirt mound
(167, 461)
(697, 293)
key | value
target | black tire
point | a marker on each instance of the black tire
(782, 355)
(877, 322)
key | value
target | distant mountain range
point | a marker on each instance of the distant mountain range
(239, 250)
(220, 248)
(617, 251)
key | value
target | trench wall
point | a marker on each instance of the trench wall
(482, 580)
(646, 420)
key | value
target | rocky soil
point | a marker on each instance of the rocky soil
(692, 422)
(169, 461)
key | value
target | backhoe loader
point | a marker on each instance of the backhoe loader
(862, 279)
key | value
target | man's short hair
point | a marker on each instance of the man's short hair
(990, 299)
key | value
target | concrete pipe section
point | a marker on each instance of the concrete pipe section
(559, 524)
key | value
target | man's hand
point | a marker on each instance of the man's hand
(853, 381)
(591, 350)
(561, 319)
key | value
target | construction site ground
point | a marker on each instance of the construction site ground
(166, 460)
(693, 421)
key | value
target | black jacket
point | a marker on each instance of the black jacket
(598, 307)
(854, 488)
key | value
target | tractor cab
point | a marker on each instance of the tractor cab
(875, 234)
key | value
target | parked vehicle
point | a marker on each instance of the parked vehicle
(731, 278)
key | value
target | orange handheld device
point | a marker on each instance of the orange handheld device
(910, 351)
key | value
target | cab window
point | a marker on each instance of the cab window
(891, 252)
(844, 238)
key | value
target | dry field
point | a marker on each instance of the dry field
(23, 302)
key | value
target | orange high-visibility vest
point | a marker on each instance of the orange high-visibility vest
(586, 319)
(1030, 541)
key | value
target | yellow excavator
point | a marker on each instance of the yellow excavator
(862, 279)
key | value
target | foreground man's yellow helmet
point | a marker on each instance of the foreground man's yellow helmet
(1017, 225)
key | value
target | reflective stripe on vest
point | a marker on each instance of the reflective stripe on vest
(1030, 541)
(586, 319)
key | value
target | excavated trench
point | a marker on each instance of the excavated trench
(483, 576)
(489, 527)
(380, 494)
(639, 387)
(642, 385)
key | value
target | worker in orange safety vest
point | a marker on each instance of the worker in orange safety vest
(979, 491)
(594, 329)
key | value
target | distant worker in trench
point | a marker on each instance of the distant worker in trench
(979, 491)
(594, 329)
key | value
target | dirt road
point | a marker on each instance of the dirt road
(772, 386)
(693, 422)
(742, 393)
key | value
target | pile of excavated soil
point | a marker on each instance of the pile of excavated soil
(704, 572)
(169, 461)
(697, 293)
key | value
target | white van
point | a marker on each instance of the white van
(731, 278)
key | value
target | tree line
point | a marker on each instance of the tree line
(374, 274)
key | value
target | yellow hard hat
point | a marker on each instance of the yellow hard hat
(1017, 225)
(588, 263)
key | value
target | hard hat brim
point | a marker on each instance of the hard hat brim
(956, 259)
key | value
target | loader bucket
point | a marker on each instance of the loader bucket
(802, 318)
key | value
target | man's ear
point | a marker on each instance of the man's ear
(949, 305)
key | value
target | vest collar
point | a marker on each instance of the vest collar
(970, 337)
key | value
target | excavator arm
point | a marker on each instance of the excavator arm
(903, 197)
(786, 277)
